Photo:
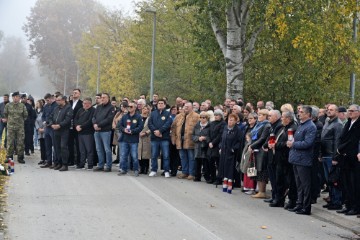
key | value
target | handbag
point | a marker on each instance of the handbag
(252, 171)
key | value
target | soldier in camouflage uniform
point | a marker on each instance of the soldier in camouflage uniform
(15, 114)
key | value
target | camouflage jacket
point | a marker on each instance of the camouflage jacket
(16, 114)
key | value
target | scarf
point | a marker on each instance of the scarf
(256, 129)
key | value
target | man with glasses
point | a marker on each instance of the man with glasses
(60, 122)
(159, 125)
(102, 123)
(348, 150)
(301, 157)
(130, 127)
(15, 114)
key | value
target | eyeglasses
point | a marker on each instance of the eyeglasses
(350, 110)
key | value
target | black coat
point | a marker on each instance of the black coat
(349, 144)
(275, 129)
(281, 150)
(62, 116)
(215, 133)
(230, 143)
(103, 117)
(261, 157)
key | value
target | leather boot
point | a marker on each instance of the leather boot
(21, 159)
(63, 168)
(57, 167)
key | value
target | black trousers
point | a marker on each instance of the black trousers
(29, 138)
(303, 184)
(87, 149)
(199, 164)
(213, 162)
(42, 148)
(271, 167)
(174, 159)
(350, 186)
(74, 150)
(61, 141)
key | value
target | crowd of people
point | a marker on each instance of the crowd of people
(236, 145)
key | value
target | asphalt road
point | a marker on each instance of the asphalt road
(79, 204)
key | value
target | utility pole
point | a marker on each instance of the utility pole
(353, 76)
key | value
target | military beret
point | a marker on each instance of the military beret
(15, 94)
(23, 96)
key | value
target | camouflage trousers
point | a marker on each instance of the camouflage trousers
(18, 136)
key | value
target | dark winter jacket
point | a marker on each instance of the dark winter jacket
(83, 119)
(103, 117)
(160, 121)
(62, 116)
(136, 126)
(216, 130)
(301, 153)
(349, 143)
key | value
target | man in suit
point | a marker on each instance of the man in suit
(348, 150)
(74, 151)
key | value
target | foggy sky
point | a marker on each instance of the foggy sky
(12, 18)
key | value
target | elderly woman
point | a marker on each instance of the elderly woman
(259, 135)
(230, 143)
(201, 139)
(144, 147)
(216, 130)
(39, 126)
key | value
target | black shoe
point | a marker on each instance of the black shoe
(163, 173)
(352, 212)
(41, 162)
(313, 201)
(344, 210)
(32, 151)
(21, 161)
(327, 205)
(276, 204)
(303, 212)
(57, 167)
(197, 180)
(334, 207)
(47, 165)
(297, 208)
(107, 169)
(63, 168)
(116, 161)
(98, 169)
(27, 154)
(210, 181)
(270, 200)
(80, 167)
(289, 205)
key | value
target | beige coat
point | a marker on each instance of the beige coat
(190, 123)
(144, 147)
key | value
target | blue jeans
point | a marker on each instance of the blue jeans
(125, 150)
(187, 161)
(155, 151)
(334, 192)
(103, 149)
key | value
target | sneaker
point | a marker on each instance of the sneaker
(136, 173)
(152, 174)
(167, 174)
(122, 172)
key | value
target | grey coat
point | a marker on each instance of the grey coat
(201, 148)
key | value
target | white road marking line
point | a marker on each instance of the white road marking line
(174, 209)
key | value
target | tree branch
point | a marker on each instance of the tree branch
(251, 46)
(219, 34)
